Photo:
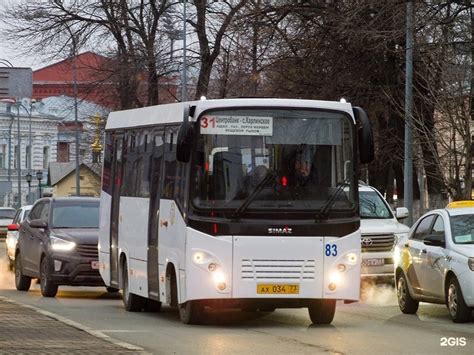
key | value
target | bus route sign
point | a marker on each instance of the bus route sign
(237, 125)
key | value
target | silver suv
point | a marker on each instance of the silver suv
(381, 232)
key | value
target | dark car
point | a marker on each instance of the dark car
(58, 244)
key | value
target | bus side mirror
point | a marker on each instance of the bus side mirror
(365, 136)
(185, 139)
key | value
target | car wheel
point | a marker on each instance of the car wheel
(406, 303)
(22, 282)
(48, 287)
(322, 311)
(191, 312)
(458, 310)
(132, 302)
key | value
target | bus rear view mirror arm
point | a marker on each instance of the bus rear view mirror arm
(185, 138)
(365, 136)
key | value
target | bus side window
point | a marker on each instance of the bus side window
(174, 176)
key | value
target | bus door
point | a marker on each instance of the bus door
(117, 176)
(154, 214)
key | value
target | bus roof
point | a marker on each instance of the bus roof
(173, 113)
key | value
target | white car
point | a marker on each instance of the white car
(380, 231)
(436, 264)
(12, 234)
(6, 218)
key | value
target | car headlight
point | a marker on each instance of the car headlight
(470, 262)
(59, 244)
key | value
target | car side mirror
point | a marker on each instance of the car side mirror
(38, 223)
(13, 227)
(434, 240)
(401, 213)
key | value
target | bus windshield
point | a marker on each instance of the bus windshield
(284, 159)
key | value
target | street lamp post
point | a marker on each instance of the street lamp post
(18, 156)
(39, 176)
(28, 178)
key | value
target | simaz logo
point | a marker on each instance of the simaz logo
(284, 230)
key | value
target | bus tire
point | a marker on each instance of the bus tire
(322, 311)
(458, 310)
(190, 312)
(22, 282)
(405, 302)
(132, 302)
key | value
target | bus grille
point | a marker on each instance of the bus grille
(88, 250)
(257, 269)
(375, 243)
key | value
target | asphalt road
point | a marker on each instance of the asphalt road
(373, 326)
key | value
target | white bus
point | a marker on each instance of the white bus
(235, 203)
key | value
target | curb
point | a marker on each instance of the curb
(95, 333)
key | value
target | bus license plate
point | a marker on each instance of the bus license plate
(373, 262)
(280, 289)
(94, 265)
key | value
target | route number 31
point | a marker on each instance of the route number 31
(331, 250)
(208, 122)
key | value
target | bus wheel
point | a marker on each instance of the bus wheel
(458, 310)
(132, 302)
(322, 311)
(405, 302)
(190, 312)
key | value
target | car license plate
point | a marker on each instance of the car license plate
(280, 289)
(373, 262)
(95, 265)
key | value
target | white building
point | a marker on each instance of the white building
(43, 137)
(52, 139)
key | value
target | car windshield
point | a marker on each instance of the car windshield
(280, 159)
(462, 229)
(75, 214)
(7, 214)
(372, 206)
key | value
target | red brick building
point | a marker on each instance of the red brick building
(93, 82)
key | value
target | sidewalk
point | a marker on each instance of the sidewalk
(28, 330)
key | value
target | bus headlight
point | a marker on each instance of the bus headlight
(352, 258)
(470, 262)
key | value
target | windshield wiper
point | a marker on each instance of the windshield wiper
(237, 213)
(323, 212)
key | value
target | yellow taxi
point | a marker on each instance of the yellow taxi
(436, 264)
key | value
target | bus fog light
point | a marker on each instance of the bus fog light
(352, 258)
(218, 277)
(341, 267)
(335, 279)
(212, 267)
(57, 265)
(221, 286)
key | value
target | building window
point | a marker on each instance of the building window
(3, 156)
(63, 152)
(45, 157)
(27, 157)
(15, 157)
(82, 153)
